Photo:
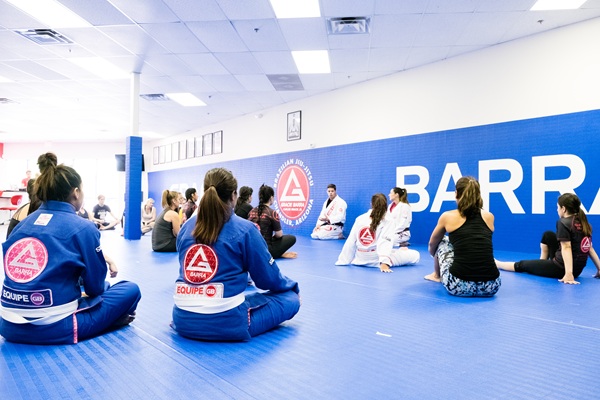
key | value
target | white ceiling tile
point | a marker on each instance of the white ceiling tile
(441, 29)
(36, 70)
(97, 12)
(224, 83)
(194, 83)
(196, 10)
(317, 82)
(203, 63)
(276, 62)
(150, 11)
(239, 63)
(168, 64)
(218, 36)
(95, 41)
(391, 7)
(175, 37)
(13, 18)
(347, 8)
(261, 35)
(349, 60)
(255, 83)
(304, 33)
(133, 38)
(255, 9)
(394, 30)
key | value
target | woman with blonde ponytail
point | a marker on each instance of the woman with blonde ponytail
(464, 259)
(564, 254)
(217, 251)
(167, 224)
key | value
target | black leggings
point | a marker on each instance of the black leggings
(548, 267)
(280, 245)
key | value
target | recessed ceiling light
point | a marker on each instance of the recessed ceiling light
(312, 62)
(296, 8)
(100, 67)
(51, 13)
(186, 99)
(544, 5)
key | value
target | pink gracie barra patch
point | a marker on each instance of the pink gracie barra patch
(25, 260)
(366, 236)
(200, 264)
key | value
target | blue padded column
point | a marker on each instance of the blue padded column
(133, 188)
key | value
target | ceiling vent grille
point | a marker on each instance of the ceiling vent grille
(44, 36)
(349, 25)
(155, 97)
(4, 100)
(285, 82)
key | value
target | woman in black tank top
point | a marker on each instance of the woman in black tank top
(464, 259)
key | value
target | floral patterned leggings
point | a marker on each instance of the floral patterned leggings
(458, 287)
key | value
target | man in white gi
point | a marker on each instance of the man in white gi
(332, 218)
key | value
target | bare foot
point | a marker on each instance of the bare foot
(433, 277)
(385, 268)
(289, 254)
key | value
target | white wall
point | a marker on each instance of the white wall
(552, 73)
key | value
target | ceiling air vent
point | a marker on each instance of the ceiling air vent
(155, 97)
(44, 36)
(4, 100)
(348, 25)
(285, 82)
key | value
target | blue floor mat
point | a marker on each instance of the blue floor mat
(360, 334)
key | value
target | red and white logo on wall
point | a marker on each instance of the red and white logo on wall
(292, 188)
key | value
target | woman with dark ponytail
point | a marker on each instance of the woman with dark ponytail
(367, 245)
(564, 254)
(268, 222)
(217, 251)
(47, 257)
(400, 213)
(464, 259)
(242, 206)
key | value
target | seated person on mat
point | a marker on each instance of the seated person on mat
(243, 207)
(100, 212)
(367, 245)
(148, 216)
(217, 250)
(400, 214)
(330, 224)
(268, 222)
(564, 254)
(464, 260)
(41, 299)
(168, 223)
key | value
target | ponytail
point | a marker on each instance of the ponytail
(468, 195)
(573, 205)
(378, 210)
(214, 209)
(56, 182)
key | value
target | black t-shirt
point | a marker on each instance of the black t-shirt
(473, 251)
(569, 229)
(267, 221)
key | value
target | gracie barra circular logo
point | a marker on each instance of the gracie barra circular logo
(292, 186)
(25, 260)
(200, 264)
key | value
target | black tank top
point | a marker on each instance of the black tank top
(473, 251)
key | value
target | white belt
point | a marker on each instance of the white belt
(207, 305)
(45, 316)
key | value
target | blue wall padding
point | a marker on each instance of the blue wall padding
(133, 188)
(561, 151)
